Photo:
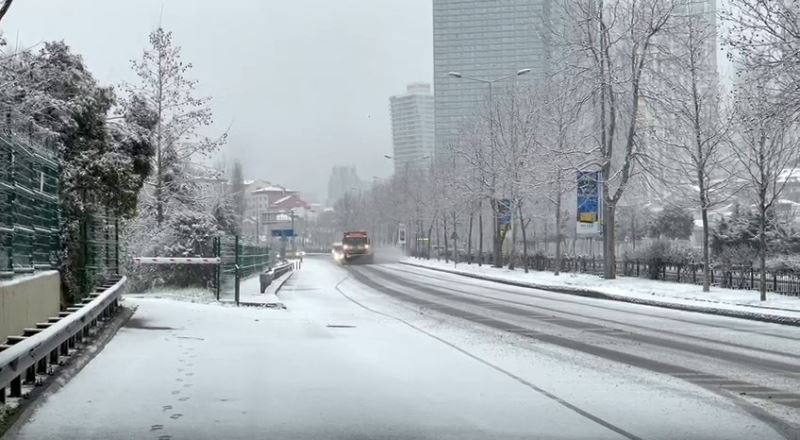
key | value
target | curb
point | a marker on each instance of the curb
(280, 286)
(587, 293)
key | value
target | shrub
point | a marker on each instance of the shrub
(673, 222)
(784, 263)
(661, 253)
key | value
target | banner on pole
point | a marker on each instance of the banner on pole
(590, 203)
(504, 212)
(401, 234)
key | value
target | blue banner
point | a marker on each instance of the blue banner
(504, 212)
(589, 201)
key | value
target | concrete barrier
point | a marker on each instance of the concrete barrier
(26, 300)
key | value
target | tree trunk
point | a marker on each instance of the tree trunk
(498, 244)
(609, 248)
(557, 270)
(4, 9)
(455, 240)
(430, 241)
(706, 258)
(512, 248)
(480, 233)
(469, 238)
(524, 240)
(159, 191)
(762, 253)
(438, 244)
(446, 246)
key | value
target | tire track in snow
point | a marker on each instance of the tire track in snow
(695, 349)
(507, 373)
(710, 382)
(432, 273)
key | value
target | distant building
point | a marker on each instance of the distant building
(260, 212)
(485, 40)
(343, 180)
(412, 127)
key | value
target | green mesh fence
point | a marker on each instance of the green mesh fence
(29, 207)
(239, 261)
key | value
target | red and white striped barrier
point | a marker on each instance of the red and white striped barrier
(176, 260)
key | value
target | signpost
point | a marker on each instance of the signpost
(401, 234)
(284, 235)
(590, 203)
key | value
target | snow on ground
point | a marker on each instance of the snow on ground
(328, 368)
(638, 288)
(189, 294)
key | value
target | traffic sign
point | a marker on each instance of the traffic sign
(283, 233)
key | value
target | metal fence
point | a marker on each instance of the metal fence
(238, 260)
(29, 207)
(742, 277)
(100, 251)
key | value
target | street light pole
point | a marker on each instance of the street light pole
(498, 251)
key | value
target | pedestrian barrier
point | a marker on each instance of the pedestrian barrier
(266, 278)
(230, 262)
(23, 357)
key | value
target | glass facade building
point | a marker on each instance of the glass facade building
(412, 128)
(485, 39)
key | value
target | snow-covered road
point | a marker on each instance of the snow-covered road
(393, 352)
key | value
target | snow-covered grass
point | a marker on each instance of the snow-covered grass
(188, 294)
(634, 288)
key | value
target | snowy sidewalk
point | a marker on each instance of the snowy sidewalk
(781, 309)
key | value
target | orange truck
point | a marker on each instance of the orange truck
(357, 246)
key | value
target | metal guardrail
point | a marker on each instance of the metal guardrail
(266, 278)
(281, 269)
(43, 345)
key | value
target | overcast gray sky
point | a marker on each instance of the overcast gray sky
(304, 83)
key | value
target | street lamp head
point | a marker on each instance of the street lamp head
(387, 156)
(454, 74)
(523, 72)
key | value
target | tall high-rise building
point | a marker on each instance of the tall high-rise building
(485, 40)
(343, 180)
(412, 127)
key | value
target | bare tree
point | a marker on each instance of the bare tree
(517, 133)
(560, 149)
(612, 42)
(767, 147)
(763, 39)
(693, 125)
(179, 113)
